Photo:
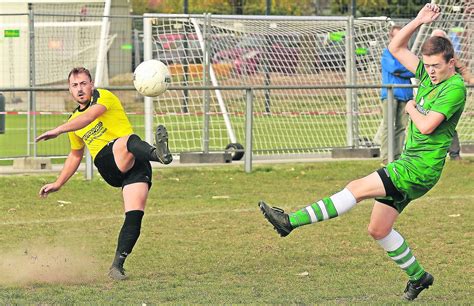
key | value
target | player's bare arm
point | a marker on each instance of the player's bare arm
(75, 124)
(399, 44)
(70, 166)
(426, 124)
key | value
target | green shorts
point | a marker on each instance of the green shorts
(412, 178)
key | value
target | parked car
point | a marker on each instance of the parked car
(171, 49)
(258, 53)
(178, 49)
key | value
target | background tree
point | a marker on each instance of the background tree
(365, 8)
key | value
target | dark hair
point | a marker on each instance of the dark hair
(393, 28)
(438, 45)
(78, 70)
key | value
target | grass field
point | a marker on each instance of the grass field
(279, 131)
(204, 240)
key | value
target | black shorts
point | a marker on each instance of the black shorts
(390, 189)
(105, 163)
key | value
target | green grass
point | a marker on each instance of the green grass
(13, 142)
(270, 132)
(205, 242)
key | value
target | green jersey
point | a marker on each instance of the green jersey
(423, 157)
(447, 98)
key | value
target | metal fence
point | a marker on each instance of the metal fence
(319, 91)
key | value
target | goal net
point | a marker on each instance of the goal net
(65, 35)
(276, 51)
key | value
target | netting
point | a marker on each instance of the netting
(66, 41)
(277, 52)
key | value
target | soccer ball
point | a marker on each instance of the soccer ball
(151, 78)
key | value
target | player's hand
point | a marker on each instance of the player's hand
(47, 189)
(409, 106)
(48, 135)
(429, 13)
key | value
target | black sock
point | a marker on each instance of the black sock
(141, 149)
(128, 236)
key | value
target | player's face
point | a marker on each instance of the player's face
(81, 88)
(437, 67)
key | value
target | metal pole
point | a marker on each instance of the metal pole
(136, 47)
(248, 130)
(31, 117)
(148, 102)
(353, 8)
(213, 79)
(184, 105)
(186, 6)
(207, 96)
(268, 10)
(349, 118)
(100, 74)
(390, 125)
(354, 102)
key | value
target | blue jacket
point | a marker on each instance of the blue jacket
(395, 73)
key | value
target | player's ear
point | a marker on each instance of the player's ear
(451, 62)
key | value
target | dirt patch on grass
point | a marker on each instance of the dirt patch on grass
(48, 264)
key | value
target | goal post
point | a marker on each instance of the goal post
(276, 51)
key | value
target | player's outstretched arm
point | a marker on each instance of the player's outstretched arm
(399, 44)
(70, 166)
(75, 124)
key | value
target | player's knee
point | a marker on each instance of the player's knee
(131, 141)
(354, 188)
(378, 232)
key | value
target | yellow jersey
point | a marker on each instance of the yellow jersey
(112, 124)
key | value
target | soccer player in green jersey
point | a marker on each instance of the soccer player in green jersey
(439, 103)
(121, 157)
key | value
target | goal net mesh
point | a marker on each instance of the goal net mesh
(265, 51)
(66, 36)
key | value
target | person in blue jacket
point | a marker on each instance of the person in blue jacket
(394, 73)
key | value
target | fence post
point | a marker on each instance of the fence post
(354, 100)
(390, 125)
(350, 121)
(31, 121)
(248, 130)
(205, 74)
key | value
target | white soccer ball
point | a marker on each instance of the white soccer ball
(151, 78)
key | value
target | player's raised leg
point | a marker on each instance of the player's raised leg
(142, 150)
(370, 186)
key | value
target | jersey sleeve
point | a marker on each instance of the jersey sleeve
(449, 101)
(76, 142)
(106, 99)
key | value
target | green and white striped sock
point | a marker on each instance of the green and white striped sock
(324, 209)
(399, 251)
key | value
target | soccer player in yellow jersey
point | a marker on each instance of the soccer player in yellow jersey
(121, 157)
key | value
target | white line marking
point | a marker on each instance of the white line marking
(163, 214)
